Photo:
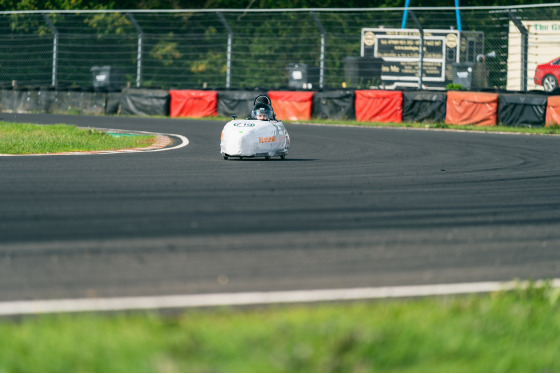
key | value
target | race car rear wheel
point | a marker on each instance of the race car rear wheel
(283, 157)
(225, 157)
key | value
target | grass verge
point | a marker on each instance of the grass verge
(17, 138)
(514, 331)
(537, 130)
(552, 130)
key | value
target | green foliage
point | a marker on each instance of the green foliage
(189, 50)
(454, 86)
(55, 4)
(108, 23)
(241, 4)
(166, 50)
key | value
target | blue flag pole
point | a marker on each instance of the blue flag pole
(405, 14)
(458, 15)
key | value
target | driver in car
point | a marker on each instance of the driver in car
(262, 112)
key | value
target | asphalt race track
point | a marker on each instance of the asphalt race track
(349, 207)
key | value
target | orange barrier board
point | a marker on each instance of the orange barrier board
(472, 108)
(291, 105)
(378, 106)
(193, 103)
(552, 111)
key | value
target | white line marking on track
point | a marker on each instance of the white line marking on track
(250, 298)
(184, 143)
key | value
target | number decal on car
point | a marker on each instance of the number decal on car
(244, 124)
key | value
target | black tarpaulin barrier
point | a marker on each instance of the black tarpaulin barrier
(424, 106)
(239, 103)
(47, 98)
(113, 102)
(7, 100)
(337, 104)
(35, 101)
(24, 100)
(79, 102)
(15, 100)
(144, 102)
(521, 109)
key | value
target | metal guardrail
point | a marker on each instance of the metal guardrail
(278, 48)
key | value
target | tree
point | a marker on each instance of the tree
(8, 5)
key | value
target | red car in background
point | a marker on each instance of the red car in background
(548, 75)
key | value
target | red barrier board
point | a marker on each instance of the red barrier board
(472, 108)
(378, 106)
(552, 111)
(291, 105)
(193, 103)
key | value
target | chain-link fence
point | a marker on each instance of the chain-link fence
(299, 49)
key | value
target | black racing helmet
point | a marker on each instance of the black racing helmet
(262, 112)
(262, 99)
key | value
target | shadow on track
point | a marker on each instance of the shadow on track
(274, 159)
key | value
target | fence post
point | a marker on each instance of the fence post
(421, 52)
(524, 48)
(322, 58)
(140, 46)
(229, 47)
(55, 50)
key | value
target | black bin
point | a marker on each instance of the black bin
(302, 76)
(463, 73)
(108, 77)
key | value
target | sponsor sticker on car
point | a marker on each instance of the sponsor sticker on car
(267, 139)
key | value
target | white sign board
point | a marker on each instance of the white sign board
(543, 46)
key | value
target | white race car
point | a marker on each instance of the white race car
(260, 135)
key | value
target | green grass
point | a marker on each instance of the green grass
(516, 331)
(510, 129)
(552, 130)
(16, 138)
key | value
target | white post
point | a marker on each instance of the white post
(139, 54)
(55, 51)
(229, 48)
(322, 57)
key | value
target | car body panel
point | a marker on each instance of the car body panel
(254, 138)
(545, 72)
